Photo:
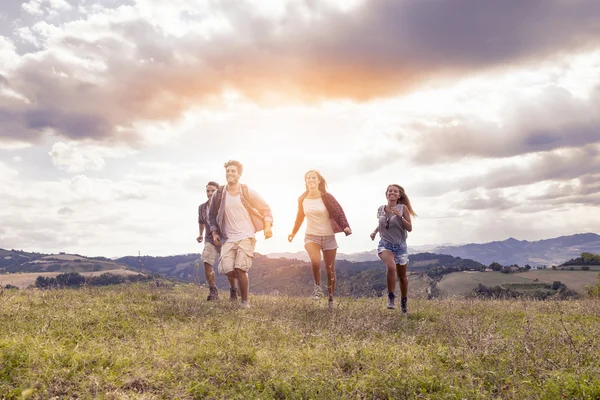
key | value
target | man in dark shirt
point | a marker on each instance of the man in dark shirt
(211, 253)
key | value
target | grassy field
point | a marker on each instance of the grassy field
(25, 279)
(460, 283)
(140, 342)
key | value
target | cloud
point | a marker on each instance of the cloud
(66, 211)
(77, 157)
(551, 119)
(99, 75)
(519, 171)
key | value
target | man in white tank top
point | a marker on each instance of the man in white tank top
(235, 215)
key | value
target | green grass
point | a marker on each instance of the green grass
(139, 342)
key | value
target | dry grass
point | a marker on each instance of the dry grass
(25, 279)
(139, 342)
(460, 283)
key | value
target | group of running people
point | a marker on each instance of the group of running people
(229, 219)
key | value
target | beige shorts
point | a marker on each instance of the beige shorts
(238, 254)
(324, 242)
(210, 254)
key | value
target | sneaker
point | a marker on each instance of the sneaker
(317, 292)
(213, 293)
(233, 294)
(330, 305)
(403, 305)
(391, 301)
(245, 304)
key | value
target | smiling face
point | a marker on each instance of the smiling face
(392, 194)
(312, 180)
(210, 190)
(232, 174)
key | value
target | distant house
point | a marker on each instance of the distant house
(488, 269)
(514, 269)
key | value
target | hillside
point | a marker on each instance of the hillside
(294, 277)
(512, 251)
(17, 261)
(139, 342)
(461, 283)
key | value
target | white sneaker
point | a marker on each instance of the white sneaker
(317, 292)
(330, 305)
(245, 304)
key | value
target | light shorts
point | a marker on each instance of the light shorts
(210, 254)
(237, 255)
(400, 251)
(325, 242)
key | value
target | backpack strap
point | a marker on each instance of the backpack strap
(248, 202)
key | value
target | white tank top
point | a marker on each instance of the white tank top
(238, 224)
(317, 218)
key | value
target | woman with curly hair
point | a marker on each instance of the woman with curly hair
(394, 225)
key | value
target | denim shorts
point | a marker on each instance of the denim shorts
(324, 242)
(400, 251)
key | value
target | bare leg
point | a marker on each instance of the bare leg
(231, 281)
(403, 279)
(209, 274)
(329, 258)
(388, 259)
(243, 283)
(314, 252)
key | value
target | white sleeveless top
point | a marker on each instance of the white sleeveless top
(238, 224)
(317, 218)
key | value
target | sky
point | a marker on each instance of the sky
(114, 114)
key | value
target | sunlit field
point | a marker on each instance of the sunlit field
(142, 342)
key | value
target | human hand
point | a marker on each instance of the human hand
(199, 239)
(348, 231)
(291, 237)
(372, 235)
(268, 232)
(216, 238)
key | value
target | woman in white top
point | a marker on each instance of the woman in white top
(325, 217)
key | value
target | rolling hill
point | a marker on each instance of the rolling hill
(512, 251)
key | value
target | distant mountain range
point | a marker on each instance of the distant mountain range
(354, 257)
(507, 252)
(512, 251)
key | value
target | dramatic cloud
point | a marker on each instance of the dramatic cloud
(551, 119)
(557, 166)
(95, 77)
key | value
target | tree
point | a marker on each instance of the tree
(496, 266)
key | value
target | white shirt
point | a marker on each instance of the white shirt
(238, 224)
(317, 218)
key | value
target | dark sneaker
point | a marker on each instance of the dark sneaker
(403, 305)
(213, 293)
(233, 294)
(391, 301)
